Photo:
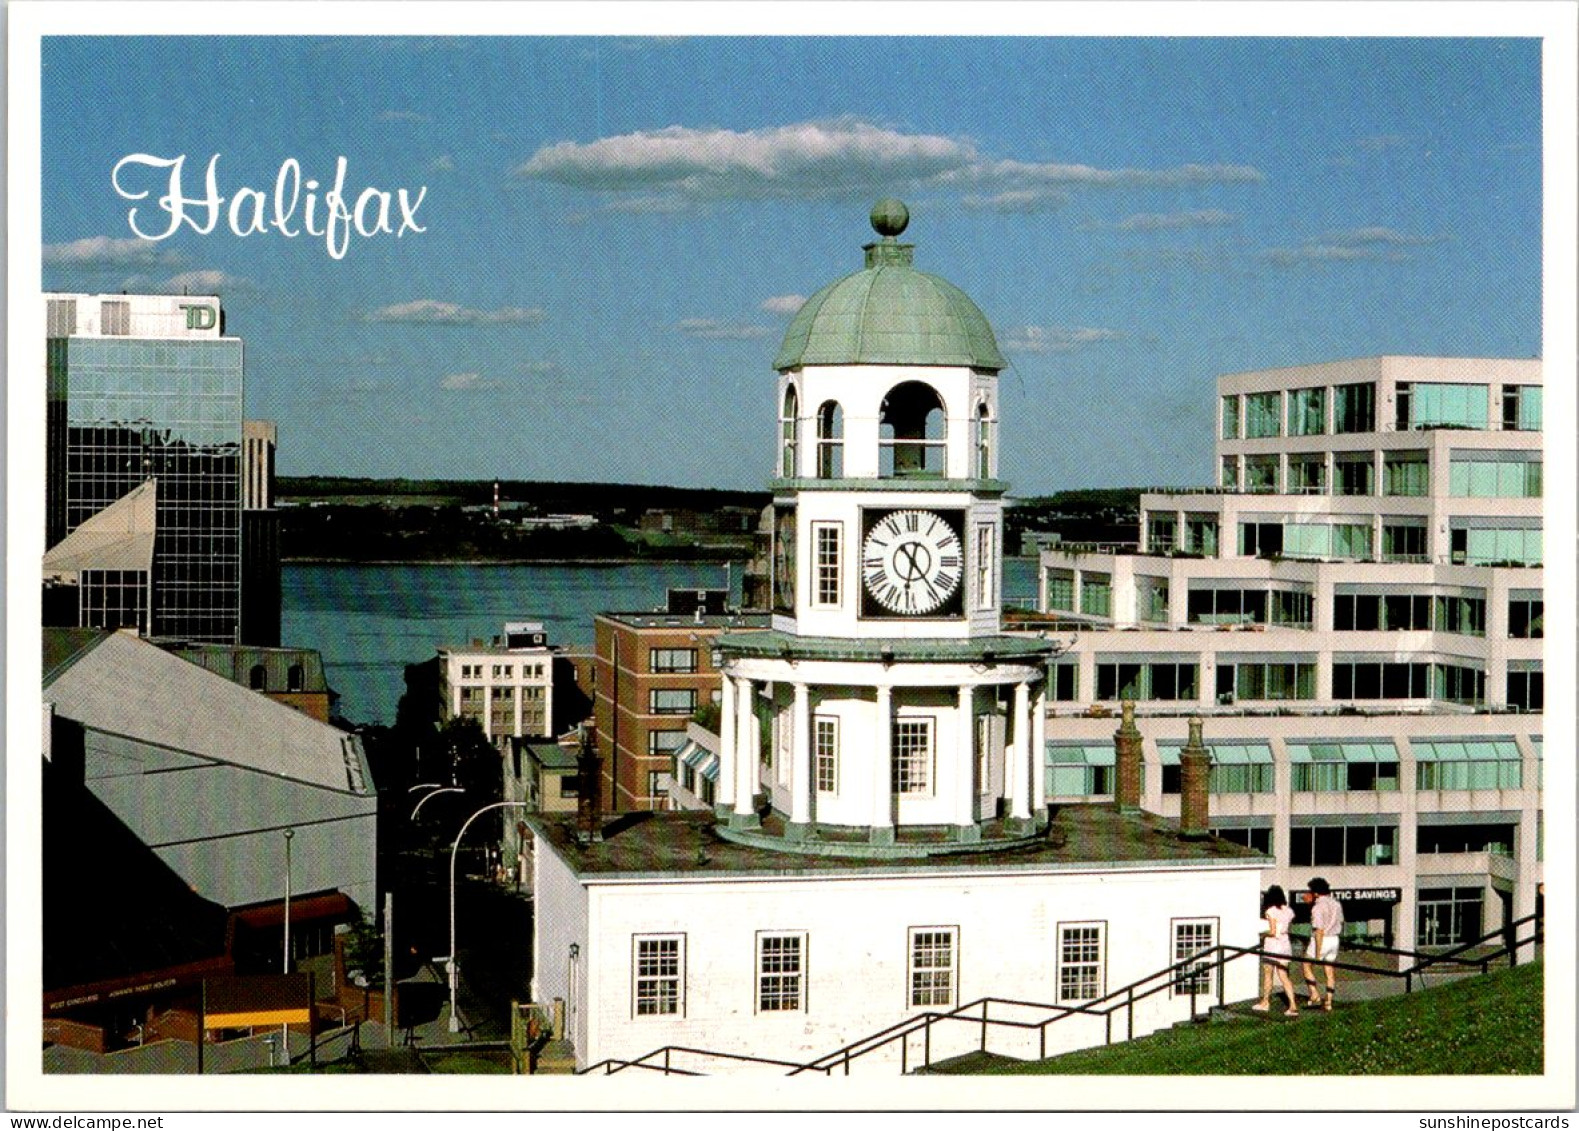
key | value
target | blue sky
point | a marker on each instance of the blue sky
(618, 230)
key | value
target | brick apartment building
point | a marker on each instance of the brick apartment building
(652, 672)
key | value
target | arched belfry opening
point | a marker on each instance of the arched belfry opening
(912, 433)
(983, 441)
(830, 441)
(789, 433)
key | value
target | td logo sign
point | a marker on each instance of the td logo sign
(200, 316)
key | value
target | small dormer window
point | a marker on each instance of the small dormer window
(295, 678)
(830, 441)
(257, 679)
(789, 430)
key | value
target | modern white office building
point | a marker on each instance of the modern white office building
(878, 847)
(507, 686)
(1357, 609)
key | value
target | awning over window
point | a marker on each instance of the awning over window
(699, 758)
(1359, 750)
(1080, 754)
(1223, 753)
(1467, 750)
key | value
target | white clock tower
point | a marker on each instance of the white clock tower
(885, 714)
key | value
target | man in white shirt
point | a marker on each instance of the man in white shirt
(1326, 925)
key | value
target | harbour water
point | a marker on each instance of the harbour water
(370, 621)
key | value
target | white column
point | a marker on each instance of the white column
(883, 760)
(800, 757)
(1038, 752)
(1019, 754)
(725, 794)
(745, 750)
(965, 755)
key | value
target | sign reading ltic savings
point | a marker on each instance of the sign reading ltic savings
(1356, 895)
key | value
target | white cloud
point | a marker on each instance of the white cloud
(1039, 339)
(96, 251)
(1387, 237)
(783, 304)
(1017, 200)
(202, 282)
(710, 329)
(683, 165)
(1349, 246)
(469, 383)
(1167, 221)
(428, 311)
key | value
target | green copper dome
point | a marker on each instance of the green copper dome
(890, 313)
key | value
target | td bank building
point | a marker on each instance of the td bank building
(143, 493)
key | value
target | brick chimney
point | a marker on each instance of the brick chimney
(1127, 765)
(1195, 771)
(589, 785)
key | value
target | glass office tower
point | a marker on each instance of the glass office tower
(145, 387)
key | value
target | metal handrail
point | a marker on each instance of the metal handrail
(1213, 959)
(614, 1064)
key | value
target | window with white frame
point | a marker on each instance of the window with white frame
(825, 751)
(985, 597)
(658, 975)
(827, 538)
(663, 743)
(781, 971)
(1081, 961)
(934, 965)
(672, 701)
(671, 660)
(912, 756)
(1191, 937)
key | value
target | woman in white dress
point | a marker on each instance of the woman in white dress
(1275, 942)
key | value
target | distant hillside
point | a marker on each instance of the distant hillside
(606, 500)
(339, 519)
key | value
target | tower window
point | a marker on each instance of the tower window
(912, 756)
(825, 732)
(913, 433)
(983, 442)
(828, 536)
(830, 441)
(789, 430)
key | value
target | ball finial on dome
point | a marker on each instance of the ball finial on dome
(890, 217)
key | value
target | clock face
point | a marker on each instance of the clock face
(912, 562)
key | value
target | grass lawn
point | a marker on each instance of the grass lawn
(1487, 1025)
(467, 1063)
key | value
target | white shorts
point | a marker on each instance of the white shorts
(1329, 949)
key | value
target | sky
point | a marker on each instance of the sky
(617, 231)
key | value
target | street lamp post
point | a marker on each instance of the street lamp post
(454, 964)
(289, 833)
(285, 1032)
(425, 797)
